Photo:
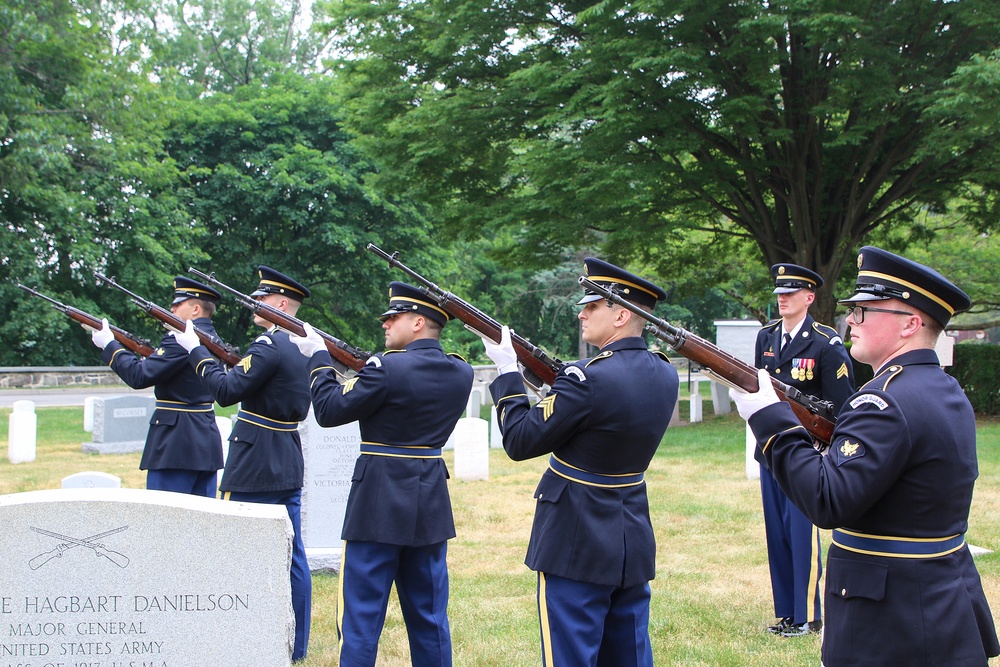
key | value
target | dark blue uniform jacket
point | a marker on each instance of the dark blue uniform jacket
(271, 382)
(815, 362)
(603, 415)
(401, 398)
(902, 464)
(180, 437)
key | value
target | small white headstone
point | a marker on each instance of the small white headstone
(696, 403)
(225, 425)
(475, 402)
(721, 403)
(137, 577)
(22, 430)
(88, 414)
(496, 435)
(472, 450)
(91, 479)
(675, 416)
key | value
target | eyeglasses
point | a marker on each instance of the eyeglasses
(858, 312)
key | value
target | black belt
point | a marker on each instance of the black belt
(564, 469)
(897, 547)
(379, 449)
(266, 422)
(180, 406)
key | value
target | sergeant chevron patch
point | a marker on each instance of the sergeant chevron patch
(349, 385)
(842, 372)
(245, 363)
(547, 405)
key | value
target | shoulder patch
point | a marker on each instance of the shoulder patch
(848, 450)
(603, 355)
(458, 356)
(263, 338)
(863, 399)
(245, 363)
(160, 352)
(575, 371)
(374, 361)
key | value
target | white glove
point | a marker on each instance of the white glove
(309, 344)
(187, 339)
(747, 404)
(103, 336)
(502, 354)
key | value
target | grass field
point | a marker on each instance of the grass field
(711, 595)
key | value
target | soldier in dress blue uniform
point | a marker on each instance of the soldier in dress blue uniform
(183, 449)
(265, 463)
(811, 357)
(407, 401)
(896, 484)
(592, 540)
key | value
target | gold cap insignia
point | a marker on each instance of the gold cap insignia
(781, 270)
(861, 260)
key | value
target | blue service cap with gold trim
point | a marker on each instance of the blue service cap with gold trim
(405, 298)
(790, 278)
(185, 288)
(627, 285)
(883, 275)
(274, 282)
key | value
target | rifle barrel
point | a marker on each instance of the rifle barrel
(816, 416)
(538, 367)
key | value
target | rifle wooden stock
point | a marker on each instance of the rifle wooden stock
(538, 367)
(815, 415)
(140, 346)
(346, 357)
(228, 354)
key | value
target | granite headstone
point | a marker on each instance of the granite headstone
(129, 577)
(330, 455)
(120, 424)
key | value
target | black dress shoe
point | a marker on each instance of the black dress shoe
(782, 625)
(793, 630)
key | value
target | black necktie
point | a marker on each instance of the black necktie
(786, 340)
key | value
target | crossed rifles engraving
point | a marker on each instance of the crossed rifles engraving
(68, 543)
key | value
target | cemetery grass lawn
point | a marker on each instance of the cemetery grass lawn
(711, 596)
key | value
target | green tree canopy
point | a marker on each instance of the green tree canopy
(798, 126)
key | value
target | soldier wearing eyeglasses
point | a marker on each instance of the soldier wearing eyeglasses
(897, 484)
(807, 355)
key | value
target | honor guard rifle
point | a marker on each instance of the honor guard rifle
(537, 367)
(818, 417)
(345, 357)
(140, 346)
(228, 354)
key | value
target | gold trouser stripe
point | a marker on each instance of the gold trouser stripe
(543, 622)
(340, 599)
(812, 613)
(226, 495)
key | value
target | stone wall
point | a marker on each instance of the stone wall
(32, 377)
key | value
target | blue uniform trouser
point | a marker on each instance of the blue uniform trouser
(300, 576)
(593, 625)
(367, 573)
(194, 482)
(793, 553)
